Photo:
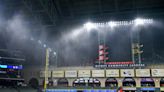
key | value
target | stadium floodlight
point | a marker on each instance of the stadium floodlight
(44, 46)
(55, 53)
(139, 21)
(89, 25)
(112, 24)
(39, 41)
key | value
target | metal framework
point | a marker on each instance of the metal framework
(50, 12)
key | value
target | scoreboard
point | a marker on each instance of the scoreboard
(11, 66)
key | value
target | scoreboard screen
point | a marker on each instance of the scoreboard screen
(11, 66)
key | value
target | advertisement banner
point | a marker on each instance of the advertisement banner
(142, 72)
(71, 73)
(116, 65)
(127, 72)
(98, 73)
(42, 74)
(162, 89)
(157, 72)
(84, 73)
(57, 74)
(112, 73)
(129, 88)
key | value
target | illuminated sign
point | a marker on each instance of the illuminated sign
(129, 88)
(148, 89)
(162, 89)
(121, 63)
(118, 65)
(98, 73)
(112, 73)
(84, 73)
(71, 73)
(11, 66)
(3, 66)
(127, 72)
(157, 72)
(42, 73)
(142, 72)
(81, 90)
(58, 74)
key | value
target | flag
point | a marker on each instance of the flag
(101, 47)
(101, 52)
(101, 57)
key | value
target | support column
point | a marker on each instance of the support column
(70, 82)
(138, 82)
(157, 82)
(119, 80)
(102, 81)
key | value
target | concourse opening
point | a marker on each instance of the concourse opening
(129, 85)
(62, 82)
(111, 83)
(147, 82)
(129, 82)
(147, 85)
(86, 82)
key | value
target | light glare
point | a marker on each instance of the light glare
(39, 42)
(112, 24)
(44, 46)
(55, 53)
(139, 21)
(89, 26)
(76, 33)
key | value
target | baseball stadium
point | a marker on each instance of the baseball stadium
(81, 46)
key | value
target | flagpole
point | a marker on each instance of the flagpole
(46, 70)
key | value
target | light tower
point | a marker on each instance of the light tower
(136, 52)
(102, 54)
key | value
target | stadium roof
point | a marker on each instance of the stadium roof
(51, 13)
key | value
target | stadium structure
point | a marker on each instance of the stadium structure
(81, 46)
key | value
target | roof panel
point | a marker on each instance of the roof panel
(108, 5)
(125, 4)
(149, 3)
